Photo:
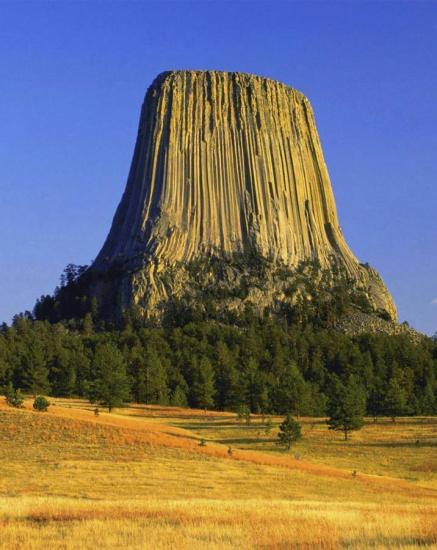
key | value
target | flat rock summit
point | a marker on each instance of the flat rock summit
(227, 170)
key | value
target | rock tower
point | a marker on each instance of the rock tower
(226, 166)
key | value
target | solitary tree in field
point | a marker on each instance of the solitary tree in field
(347, 407)
(289, 431)
(111, 385)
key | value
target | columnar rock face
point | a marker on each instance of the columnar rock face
(224, 164)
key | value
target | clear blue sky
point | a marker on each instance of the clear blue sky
(73, 76)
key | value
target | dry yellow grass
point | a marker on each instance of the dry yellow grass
(405, 449)
(139, 479)
(209, 524)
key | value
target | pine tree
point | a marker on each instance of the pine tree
(243, 414)
(151, 379)
(9, 394)
(292, 393)
(428, 401)
(253, 387)
(35, 371)
(289, 432)
(136, 370)
(87, 324)
(395, 401)
(63, 372)
(40, 403)
(111, 384)
(375, 402)
(229, 394)
(316, 368)
(82, 368)
(4, 366)
(203, 390)
(347, 407)
(31, 370)
(179, 397)
(14, 397)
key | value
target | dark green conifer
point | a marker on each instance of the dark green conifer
(289, 432)
(347, 407)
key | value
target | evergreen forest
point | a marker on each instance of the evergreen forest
(269, 365)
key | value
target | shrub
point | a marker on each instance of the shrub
(14, 398)
(41, 404)
(289, 432)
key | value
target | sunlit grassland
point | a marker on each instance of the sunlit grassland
(406, 448)
(139, 479)
(154, 523)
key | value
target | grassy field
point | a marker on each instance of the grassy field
(138, 478)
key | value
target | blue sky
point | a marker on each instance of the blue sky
(73, 76)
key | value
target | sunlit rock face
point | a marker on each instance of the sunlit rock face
(225, 165)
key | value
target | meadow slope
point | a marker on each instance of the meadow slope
(138, 478)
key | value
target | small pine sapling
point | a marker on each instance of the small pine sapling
(14, 397)
(289, 432)
(41, 404)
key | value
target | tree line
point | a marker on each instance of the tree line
(263, 365)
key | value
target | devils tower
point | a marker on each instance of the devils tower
(227, 174)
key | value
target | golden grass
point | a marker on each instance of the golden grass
(138, 478)
(406, 449)
(209, 524)
(123, 433)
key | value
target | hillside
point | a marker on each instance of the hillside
(68, 474)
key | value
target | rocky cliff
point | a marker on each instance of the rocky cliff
(226, 167)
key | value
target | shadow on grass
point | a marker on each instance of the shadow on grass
(391, 542)
(244, 441)
(209, 426)
(182, 436)
(398, 444)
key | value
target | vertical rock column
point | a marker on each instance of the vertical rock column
(226, 163)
